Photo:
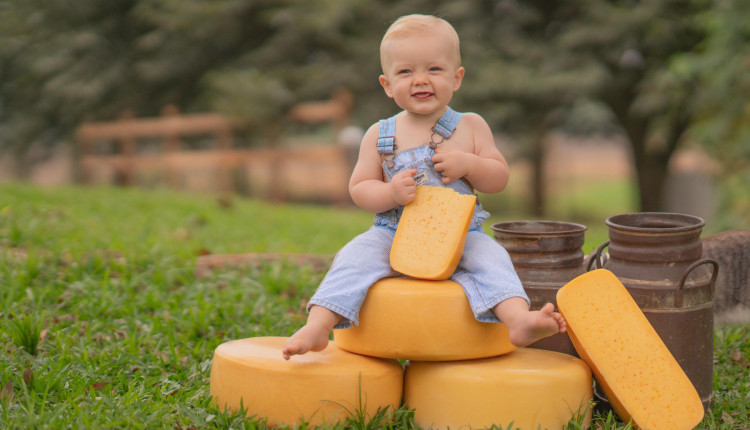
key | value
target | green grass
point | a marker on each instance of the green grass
(103, 323)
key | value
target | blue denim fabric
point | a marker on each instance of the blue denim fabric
(359, 264)
(485, 271)
(420, 158)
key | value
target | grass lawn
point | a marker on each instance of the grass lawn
(103, 323)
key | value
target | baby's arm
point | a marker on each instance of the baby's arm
(368, 188)
(484, 167)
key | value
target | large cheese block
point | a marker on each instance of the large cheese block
(632, 365)
(415, 319)
(532, 388)
(431, 233)
(317, 387)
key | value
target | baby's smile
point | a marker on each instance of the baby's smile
(422, 95)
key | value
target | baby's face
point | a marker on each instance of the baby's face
(421, 73)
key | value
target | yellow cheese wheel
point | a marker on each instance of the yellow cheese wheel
(431, 233)
(532, 388)
(415, 319)
(316, 387)
(635, 369)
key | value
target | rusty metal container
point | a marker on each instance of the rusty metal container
(546, 255)
(657, 256)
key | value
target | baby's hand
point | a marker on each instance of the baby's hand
(452, 164)
(403, 187)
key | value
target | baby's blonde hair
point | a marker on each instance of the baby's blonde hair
(419, 25)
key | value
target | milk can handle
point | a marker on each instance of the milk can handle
(678, 292)
(597, 257)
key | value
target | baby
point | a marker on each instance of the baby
(429, 144)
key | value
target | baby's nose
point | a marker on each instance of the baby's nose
(421, 78)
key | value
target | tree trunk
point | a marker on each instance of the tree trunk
(651, 164)
(651, 174)
(652, 167)
(21, 164)
(538, 207)
(277, 191)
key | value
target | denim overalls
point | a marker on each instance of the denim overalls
(485, 271)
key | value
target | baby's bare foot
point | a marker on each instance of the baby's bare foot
(537, 325)
(308, 338)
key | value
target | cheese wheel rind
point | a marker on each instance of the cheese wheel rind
(415, 319)
(316, 387)
(431, 234)
(641, 378)
(532, 388)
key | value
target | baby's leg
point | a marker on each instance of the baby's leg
(314, 335)
(357, 266)
(525, 326)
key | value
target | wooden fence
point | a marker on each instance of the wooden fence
(113, 153)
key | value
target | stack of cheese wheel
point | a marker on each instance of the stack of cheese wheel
(314, 388)
(462, 373)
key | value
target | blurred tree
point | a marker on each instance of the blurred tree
(519, 76)
(64, 62)
(539, 58)
(720, 65)
(61, 61)
(310, 50)
(633, 43)
(529, 63)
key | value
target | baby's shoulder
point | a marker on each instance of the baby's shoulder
(371, 135)
(473, 119)
(473, 124)
(374, 128)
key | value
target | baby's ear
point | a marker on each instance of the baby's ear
(458, 78)
(386, 85)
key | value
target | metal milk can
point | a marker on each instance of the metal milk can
(657, 256)
(546, 255)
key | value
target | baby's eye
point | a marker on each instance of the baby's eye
(403, 71)
(435, 69)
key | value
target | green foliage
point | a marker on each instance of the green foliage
(611, 422)
(733, 211)
(732, 387)
(577, 419)
(26, 331)
(650, 70)
(718, 66)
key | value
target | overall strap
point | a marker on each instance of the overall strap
(386, 139)
(446, 125)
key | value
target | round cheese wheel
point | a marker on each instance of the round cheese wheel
(317, 387)
(415, 319)
(533, 388)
